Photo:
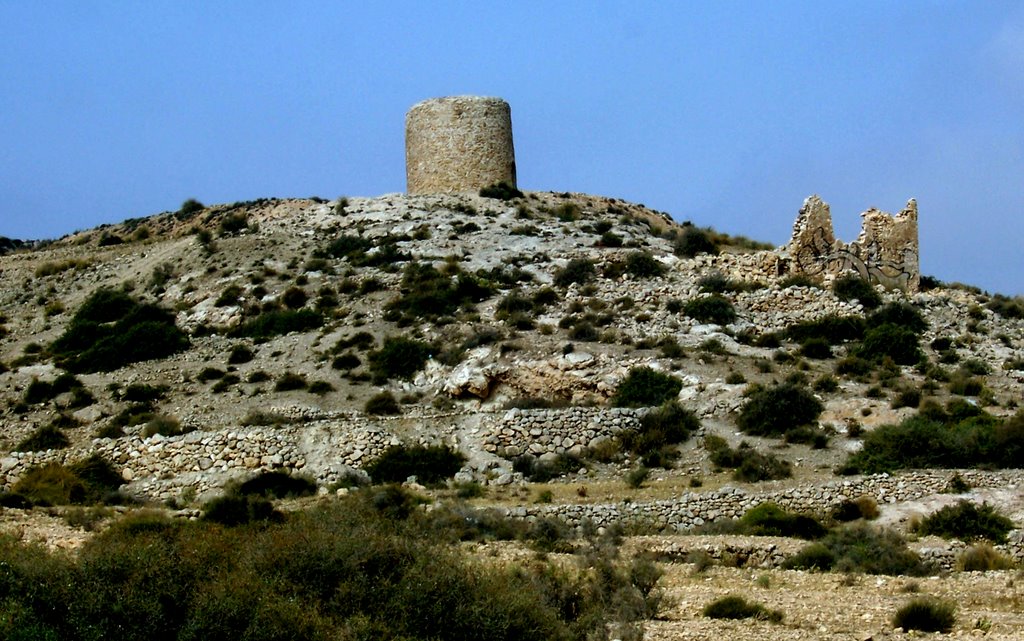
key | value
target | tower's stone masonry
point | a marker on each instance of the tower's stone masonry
(885, 252)
(458, 144)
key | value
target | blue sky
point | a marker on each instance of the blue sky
(724, 113)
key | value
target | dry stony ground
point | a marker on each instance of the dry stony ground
(272, 255)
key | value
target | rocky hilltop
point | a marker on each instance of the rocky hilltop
(198, 348)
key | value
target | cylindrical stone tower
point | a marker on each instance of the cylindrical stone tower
(458, 144)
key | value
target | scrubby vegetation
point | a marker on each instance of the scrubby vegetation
(774, 410)
(926, 614)
(715, 309)
(748, 464)
(736, 607)
(860, 548)
(111, 329)
(645, 387)
(88, 481)
(277, 322)
(431, 465)
(659, 430)
(961, 436)
(968, 522)
(398, 357)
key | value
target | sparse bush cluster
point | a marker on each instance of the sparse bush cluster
(645, 387)
(749, 465)
(111, 330)
(431, 465)
(961, 436)
(774, 411)
(860, 547)
(968, 522)
(715, 309)
(659, 430)
(429, 294)
(88, 481)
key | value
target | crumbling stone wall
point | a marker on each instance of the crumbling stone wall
(458, 144)
(885, 252)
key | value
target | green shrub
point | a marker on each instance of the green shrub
(428, 294)
(320, 388)
(111, 330)
(736, 607)
(501, 191)
(926, 614)
(768, 519)
(833, 329)
(694, 241)
(714, 309)
(290, 381)
(229, 296)
(45, 437)
(165, 425)
(240, 354)
(87, 481)
(668, 425)
(749, 465)
(962, 438)
(863, 507)
(234, 510)
(1007, 307)
(294, 298)
(860, 548)
(774, 410)
(893, 341)
(41, 391)
(852, 287)
(431, 465)
(382, 404)
(537, 471)
(398, 357)
(982, 557)
(578, 271)
(278, 322)
(899, 314)
(277, 485)
(645, 387)
(967, 522)
(816, 348)
(189, 208)
(642, 264)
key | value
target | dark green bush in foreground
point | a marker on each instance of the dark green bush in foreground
(968, 522)
(768, 519)
(340, 571)
(736, 607)
(860, 548)
(111, 330)
(926, 614)
(715, 309)
(431, 465)
(91, 480)
(774, 410)
(278, 322)
(645, 387)
(852, 287)
(962, 438)
(398, 357)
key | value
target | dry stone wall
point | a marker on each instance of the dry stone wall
(556, 431)
(458, 144)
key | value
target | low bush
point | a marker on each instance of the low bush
(898, 314)
(111, 330)
(428, 293)
(41, 391)
(968, 522)
(240, 354)
(233, 510)
(860, 548)
(749, 465)
(579, 271)
(643, 264)
(668, 425)
(773, 410)
(863, 507)
(714, 309)
(45, 437)
(84, 482)
(982, 557)
(538, 471)
(431, 465)
(501, 191)
(398, 357)
(1007, 307)
(694, 241)
(165, 425)
(855, 288)
(278, 322)
(832, 328)
(961, 438)
(816, 348)
(277, 485)
(926, 614)
(645, 387)
(290, 381)
(893, 341)
(768, 519)
(736, 607)
(382, 404)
